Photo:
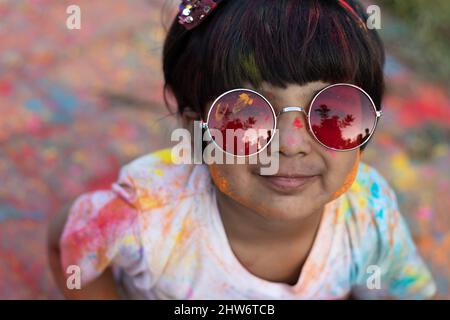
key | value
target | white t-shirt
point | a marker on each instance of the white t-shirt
(160, 230)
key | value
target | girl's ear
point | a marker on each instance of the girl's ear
(188, 117)
(170, 100)
(190, 114)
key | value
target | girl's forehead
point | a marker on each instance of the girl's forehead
(291, 91)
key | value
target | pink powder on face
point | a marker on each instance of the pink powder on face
(297, 123)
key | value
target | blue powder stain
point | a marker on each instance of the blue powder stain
(404, 282)
(62, 98)
(92, 256)
(61, 117)
(438, 236)
(34, 105)
(379, 214)
(392, 66)
(375, 190)
(8, 212)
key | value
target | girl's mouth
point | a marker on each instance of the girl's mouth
(288, 183)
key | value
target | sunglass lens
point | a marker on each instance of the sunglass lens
(342, 117)
(241, 122)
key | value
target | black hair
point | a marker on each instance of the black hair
(279, 42)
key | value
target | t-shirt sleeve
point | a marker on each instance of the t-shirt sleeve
(395, 269)
(102, 230)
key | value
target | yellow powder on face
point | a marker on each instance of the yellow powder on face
(349, 179)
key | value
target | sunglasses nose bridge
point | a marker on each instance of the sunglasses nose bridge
(292, 108)
(300, 109)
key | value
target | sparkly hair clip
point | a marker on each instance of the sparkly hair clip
(193, 12)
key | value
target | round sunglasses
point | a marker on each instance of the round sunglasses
(341, 117)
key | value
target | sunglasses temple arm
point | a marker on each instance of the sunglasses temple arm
(203, 124)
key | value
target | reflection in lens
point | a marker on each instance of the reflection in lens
(342, 117)
(245, 120)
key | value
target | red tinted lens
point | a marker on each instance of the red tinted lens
(342, 117)
(245, 121)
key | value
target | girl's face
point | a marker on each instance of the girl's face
(309, 175)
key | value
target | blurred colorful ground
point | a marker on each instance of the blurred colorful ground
(76, 105)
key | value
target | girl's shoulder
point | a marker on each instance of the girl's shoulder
(154, 180)
(368, 209)
(371, 191)
(140, 215)
(381, 243)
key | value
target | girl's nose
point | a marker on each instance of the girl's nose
(294, 138)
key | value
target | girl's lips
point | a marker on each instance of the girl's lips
(287, 183)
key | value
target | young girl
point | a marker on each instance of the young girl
(324, 226)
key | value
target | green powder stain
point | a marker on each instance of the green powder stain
(248, 62)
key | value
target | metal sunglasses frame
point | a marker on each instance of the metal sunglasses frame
(378, 114)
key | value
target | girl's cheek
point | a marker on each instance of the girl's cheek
(219, 179)
(332, 153)
(349, 179)
(222, 182)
